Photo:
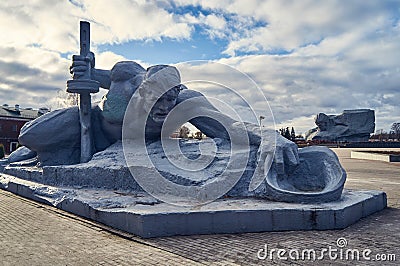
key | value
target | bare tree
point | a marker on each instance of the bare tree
(292, 134)
(198, 135)
(395, 129)
(64, 99)
(184, 132)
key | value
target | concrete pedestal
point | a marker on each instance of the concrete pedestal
(144, 216)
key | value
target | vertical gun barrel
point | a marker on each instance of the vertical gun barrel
(84, 38)
(84, 86)
(84, 98)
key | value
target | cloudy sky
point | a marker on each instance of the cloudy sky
(307, 56)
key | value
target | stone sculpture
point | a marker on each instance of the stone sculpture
(350, 126)
(55, 137)
(107, 116)
(137, 171)
(137, 107)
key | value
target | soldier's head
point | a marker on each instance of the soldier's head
(323, 122)
(159, 90)
(127, 76)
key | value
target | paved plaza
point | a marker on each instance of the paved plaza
(35, 234)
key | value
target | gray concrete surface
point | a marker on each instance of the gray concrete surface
(36, 234)
(368, 155)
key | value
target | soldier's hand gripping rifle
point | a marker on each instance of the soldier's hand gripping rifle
(84, 85)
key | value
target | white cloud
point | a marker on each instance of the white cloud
(216, 26)
(53, 24)
(215, 22)
(123, 20)
(299, 85)
(107, 59)
(293, 24)
(42, 23)
(343, 55)
(38, 34)
(30, 75)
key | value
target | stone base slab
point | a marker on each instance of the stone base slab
(375, 156)
(144, 216)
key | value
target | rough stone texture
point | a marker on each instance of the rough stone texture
(351, 126)
(21, 154)
(62, 146)
(144, 216)
(319, 177)
(106, 170)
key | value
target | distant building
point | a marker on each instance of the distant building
(11, 121)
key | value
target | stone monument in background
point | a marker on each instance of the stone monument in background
(350, 126)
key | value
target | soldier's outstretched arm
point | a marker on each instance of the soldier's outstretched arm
(213, 122)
